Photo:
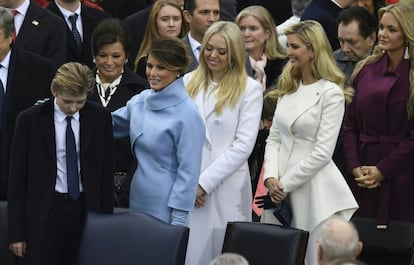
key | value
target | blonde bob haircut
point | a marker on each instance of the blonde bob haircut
(272, 48)
(151, 31)
(323, 65)
(74, 79)
(403, 13)
(233, 83)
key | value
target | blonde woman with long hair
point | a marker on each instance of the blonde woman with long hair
(298, 168)
(230, 104)
(378, 126)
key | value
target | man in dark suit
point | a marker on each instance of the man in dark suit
(25, 79)
(326, 12)
(38, 30)
(87, 19)
(200, 15)
(280, 10)
(61, 167)
(123, 8)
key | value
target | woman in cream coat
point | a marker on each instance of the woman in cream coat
(306, 124)
(230, 104)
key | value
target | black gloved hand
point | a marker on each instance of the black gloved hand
(264, 202)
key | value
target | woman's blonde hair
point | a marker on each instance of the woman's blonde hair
(403, 14)
(233, 83)
(151, 31)
(323, 64)
(272, 48)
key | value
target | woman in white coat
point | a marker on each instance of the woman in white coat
(230, 104)
(306, 124)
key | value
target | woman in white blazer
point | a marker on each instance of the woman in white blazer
(306, 124)
(230, 104)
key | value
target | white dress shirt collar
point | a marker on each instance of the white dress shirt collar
(4, 70)
(61, 116)
(194, 45)
(23, 7)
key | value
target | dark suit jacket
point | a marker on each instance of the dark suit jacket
(280, 10)
(194, 62)
(123, 8)
(325, 12)
(228, 10)
(33, 171)
(273, 69)
(43, 33)
(136, 24)
(29, 78)
(90, 18)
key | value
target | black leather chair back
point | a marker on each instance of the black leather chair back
(131, 238)
(265, 244)
(393, 245)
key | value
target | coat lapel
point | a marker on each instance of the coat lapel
(308, 97)
(194, 62)
(29, 27)
(205, 109)
(47, 127)
(87, 122)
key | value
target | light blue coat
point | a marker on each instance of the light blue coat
(167, 136)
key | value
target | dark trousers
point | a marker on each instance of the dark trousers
(63, 231)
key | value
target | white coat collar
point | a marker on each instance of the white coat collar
(309, 96)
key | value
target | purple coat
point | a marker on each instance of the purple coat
(377, 131)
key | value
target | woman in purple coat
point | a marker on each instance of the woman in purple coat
(379, 128)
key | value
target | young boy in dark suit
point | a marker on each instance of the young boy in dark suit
(61, 167)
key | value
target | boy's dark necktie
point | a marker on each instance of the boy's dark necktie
(71, 162)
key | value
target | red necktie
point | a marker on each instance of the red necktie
(15, 12)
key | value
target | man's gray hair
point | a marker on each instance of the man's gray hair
(338, 245)
(229, 259)
(6, 21)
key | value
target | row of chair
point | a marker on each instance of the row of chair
(133, 238)
(127, 237)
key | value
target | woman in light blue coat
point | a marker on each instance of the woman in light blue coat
(167, 136)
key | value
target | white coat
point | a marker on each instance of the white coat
(299, 152)
(225, 176)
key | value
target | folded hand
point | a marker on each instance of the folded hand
(368, 177)
(275, 189)
(18, 248)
